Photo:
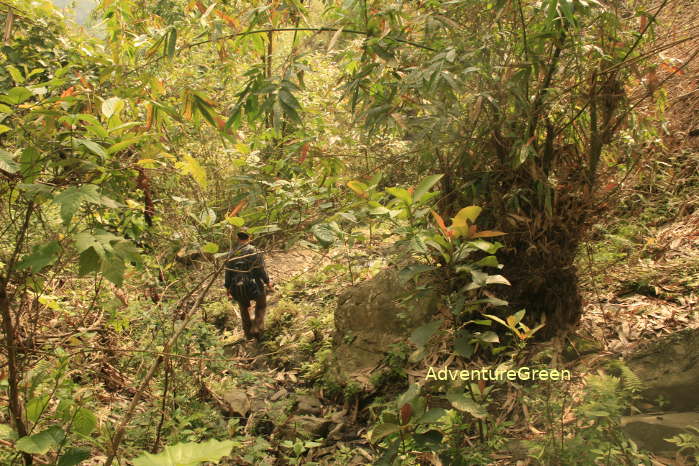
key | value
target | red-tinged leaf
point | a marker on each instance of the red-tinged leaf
(671, 68)
(200, 7)
(610, 186)
(487, 234)
(472, 229)
(442, 226)
(304, 153)
(234, 211)
(232, 22)
(149, 116)
(84, 81)
(68, 92)
(405, 412)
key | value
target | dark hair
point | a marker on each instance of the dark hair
(243, 235)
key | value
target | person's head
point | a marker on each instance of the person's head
(243, 237)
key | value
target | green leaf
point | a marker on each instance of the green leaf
(112, 106)
(42, 442)
(432, 416)
(113, 270)
(421, 335)
(324, 234)
(73, 457)
(408, 397)
(123, 144)
(462, 344)
(489, 337)
(84, 421)
(35, 407)
(41, 256)
(7, 163)
(236, 221)
(16, 95)
(463, 402)
(402, 194)
(424, 186)
(382, 431)
(187, 454)
(171, 43)
(15, 73)
(460, 222)
(4, 129)
(89, 261)
(190, 166)
(211, 248)
(7, 433)
(93, 147)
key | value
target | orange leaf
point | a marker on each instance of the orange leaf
(149, 116)
(234, 211)
(200, 7)
(220, 122)
(442, 226)
(232, 22)
(488, 234)
(671, 68)
(68, 92)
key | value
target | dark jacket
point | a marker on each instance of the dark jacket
(245, 273)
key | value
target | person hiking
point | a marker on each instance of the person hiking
(245, 280)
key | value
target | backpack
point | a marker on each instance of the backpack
(242, 284)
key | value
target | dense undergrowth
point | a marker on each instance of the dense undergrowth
(348, 138)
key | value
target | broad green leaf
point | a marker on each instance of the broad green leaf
(382, 431)
(236, 221)
(35, 407)
(462, 344)
(190, 166)
(7, 162)
(73, 457)
(4, 129)
(409, 395)
(42, 442)
(421, 335)
(93, 147)
(424, 186)
(187, 454)
(432, 416)
(402, 194)
(89, 261)
(488, 261)
(324, 234)
(84, 421)
(113, 270)
(15, 73)
(123, 144)
(7, 432)
(211, 248)
(112, 106)
(16, 96)
(489, 337)
(463, 402)
(41, 256)
(358, 187)
(460, 222)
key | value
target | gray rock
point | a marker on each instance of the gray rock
(305, 426)
(308, 404)
(669, 368)
(369, 318)
(237, 401)
(650, 432)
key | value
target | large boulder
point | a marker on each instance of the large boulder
(669, 370)
(369, 318)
